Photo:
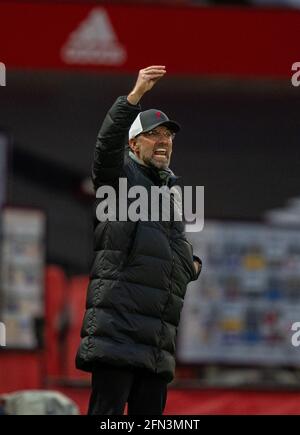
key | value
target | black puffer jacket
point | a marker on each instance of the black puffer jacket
(140, 269)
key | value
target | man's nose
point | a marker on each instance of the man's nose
(163, 140)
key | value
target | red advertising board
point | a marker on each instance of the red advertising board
(188, 40)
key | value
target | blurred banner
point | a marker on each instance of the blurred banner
(242, 309)
(3, 167)
(222, 41)
(22, 275)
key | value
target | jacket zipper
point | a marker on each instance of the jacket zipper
(166, 304)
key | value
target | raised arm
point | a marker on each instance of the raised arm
(111, 141)
(112, 137)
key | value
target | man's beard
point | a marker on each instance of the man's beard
(150, 161)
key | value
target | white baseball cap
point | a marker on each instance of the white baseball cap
(149, 119)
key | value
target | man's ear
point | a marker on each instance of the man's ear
(133, 145)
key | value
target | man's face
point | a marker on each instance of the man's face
(154, 148)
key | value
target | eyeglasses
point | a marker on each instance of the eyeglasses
(154, 134)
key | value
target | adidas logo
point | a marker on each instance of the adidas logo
(94, 42)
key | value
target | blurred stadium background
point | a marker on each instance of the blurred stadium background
(229, 85)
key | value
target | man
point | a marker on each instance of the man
(140, 270)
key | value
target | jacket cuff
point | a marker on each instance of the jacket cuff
(124, 100)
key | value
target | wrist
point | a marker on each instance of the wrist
(134, 97)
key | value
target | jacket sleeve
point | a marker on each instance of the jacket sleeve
(110, 146)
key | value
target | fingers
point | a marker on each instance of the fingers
(152, 76)
(152, 73)
(160, 67)
(147, 78)
(155, 69)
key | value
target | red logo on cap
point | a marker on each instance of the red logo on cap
(158, 114)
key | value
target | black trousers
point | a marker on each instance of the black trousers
(113, 387)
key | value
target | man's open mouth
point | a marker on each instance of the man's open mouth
(161, 152)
